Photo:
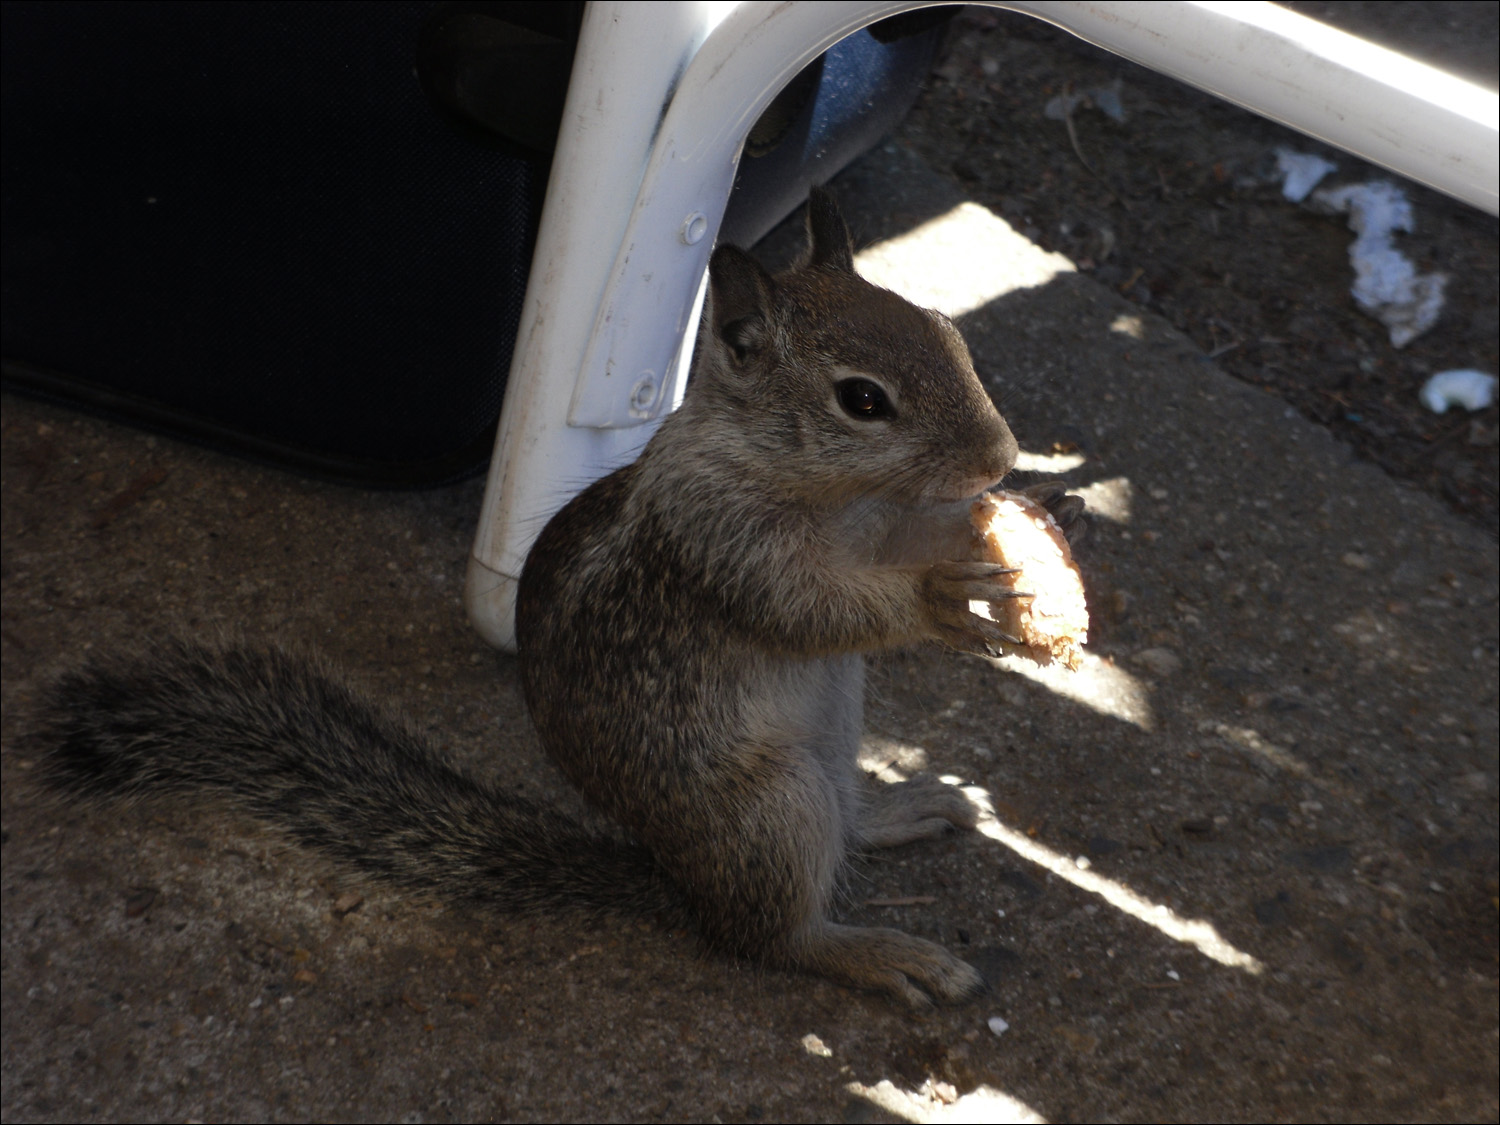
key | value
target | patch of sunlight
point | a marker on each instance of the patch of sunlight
(959, 261)
(890, 759)
(1247, 739)
(1048, 462)
(1201, 935)
(1099, 685)
(1108, 498)
(1127, 325)
(934, 1102)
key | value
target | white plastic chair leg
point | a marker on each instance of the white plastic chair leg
(636, 199)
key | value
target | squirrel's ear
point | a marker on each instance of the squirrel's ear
(828, 244)
(740, 291)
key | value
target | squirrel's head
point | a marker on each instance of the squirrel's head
(842, 385)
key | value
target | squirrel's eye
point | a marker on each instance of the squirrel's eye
(864, 400)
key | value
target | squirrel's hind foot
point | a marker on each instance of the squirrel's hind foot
(923, 808)
(911, 969)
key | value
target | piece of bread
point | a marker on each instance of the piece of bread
(1015, 531)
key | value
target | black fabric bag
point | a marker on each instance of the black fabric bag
(302, 231)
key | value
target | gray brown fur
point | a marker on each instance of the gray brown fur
(692, 630)
(281, 738)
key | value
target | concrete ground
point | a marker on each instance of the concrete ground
(1243, 865)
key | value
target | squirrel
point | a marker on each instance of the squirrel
(692, 631)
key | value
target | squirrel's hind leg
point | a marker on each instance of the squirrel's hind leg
(761, 868)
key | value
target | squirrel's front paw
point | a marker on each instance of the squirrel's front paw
(949, 587)
(1066, 509)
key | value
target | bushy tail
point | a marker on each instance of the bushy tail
(284, 741)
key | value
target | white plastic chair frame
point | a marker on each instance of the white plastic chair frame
(661, 99)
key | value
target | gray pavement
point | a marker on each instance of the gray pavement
(1243, 866)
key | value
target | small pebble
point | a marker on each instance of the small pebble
(815, 1046)
(1159, 661)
